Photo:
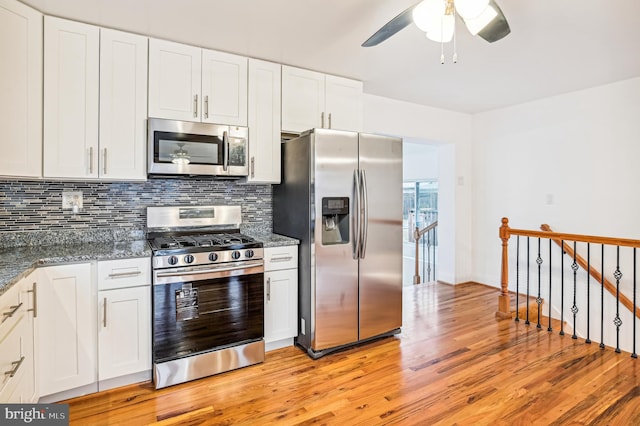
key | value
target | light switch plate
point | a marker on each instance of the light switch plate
(71, 197)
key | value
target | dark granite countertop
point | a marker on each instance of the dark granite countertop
(18, 262)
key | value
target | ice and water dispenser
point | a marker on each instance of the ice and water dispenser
(335, 220)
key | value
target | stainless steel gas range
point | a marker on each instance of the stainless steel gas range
(208, 293)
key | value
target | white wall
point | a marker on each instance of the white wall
(570, 161)
(453, 132)
(420, 160)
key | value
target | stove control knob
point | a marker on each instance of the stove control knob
(172, 260)
(248, 254)
(188, 258)
(213, 257)
(235, 254)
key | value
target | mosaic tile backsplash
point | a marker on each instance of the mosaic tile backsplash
(37, 205)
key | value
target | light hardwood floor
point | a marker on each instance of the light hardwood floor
(453, 364)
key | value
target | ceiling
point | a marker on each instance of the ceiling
(555, 46)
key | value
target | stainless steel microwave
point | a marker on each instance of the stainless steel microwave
(196, 149)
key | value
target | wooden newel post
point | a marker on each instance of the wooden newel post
(503, 300)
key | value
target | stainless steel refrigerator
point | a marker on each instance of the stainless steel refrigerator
(341, 196)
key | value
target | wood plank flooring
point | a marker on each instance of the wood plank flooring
(453, 364)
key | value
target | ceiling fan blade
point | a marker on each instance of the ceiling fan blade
(498, 28)
(390, 28)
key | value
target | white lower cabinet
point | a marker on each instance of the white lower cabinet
(17, 369)
(281, 296)
(67, 328)
(124, 330)
(93, 326)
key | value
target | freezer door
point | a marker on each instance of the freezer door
(381, 248)
(335, 291)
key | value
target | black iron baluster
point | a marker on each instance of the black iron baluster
(433, 247)
(424, 265)
(562, 288)
(528, 275)
(517, 278)
(588, 291)
(549, 327)
(574, 308)
(617, 321)
(539, 299)
(602, 298)
(634, 354)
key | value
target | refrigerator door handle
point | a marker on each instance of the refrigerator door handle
(365, 213)
(355, 216)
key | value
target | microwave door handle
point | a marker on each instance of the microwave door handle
(225, 153)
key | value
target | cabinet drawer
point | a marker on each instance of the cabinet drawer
(277, 258)
(120, 273)
(10, 310)
(11, 355)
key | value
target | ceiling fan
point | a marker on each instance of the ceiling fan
(437, 19)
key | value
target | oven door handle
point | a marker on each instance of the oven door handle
(193, 271)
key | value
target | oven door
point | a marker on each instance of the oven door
(200, 309)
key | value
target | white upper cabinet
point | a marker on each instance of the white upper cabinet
(194, 84)
(302, 99)
(224, 88)
(343, 103)
(71, 73)
(264, 121)
(314, 100)
(21, 89)
(123, 105)
(95, 91)
(174, 80)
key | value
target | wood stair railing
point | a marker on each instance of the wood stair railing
(608, 285)
(505, 232)
(417, 234)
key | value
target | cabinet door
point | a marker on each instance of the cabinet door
(174, 81)
(71, 56)
(343, 103)
(264, 121)
(302, 99)
(124, 337)
(123, 105)
(281, 305)
(224, 88)
(21, 88)
(67, 328)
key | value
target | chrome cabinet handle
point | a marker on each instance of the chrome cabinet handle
(281, 259)
(329, 120)
(90, 160)
(322, 119)
(195, 106)
(104, 161)
(11, 312)
(269, 289)
(253, 167)
(34, 290)
(13, 371)
(125, 274)
(104, 314)
(206, 106)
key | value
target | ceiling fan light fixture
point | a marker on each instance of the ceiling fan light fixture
(470, 9)
(427, 14)
(475, 25)
(443, 32)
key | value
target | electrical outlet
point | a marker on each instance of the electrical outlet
(71, 198)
